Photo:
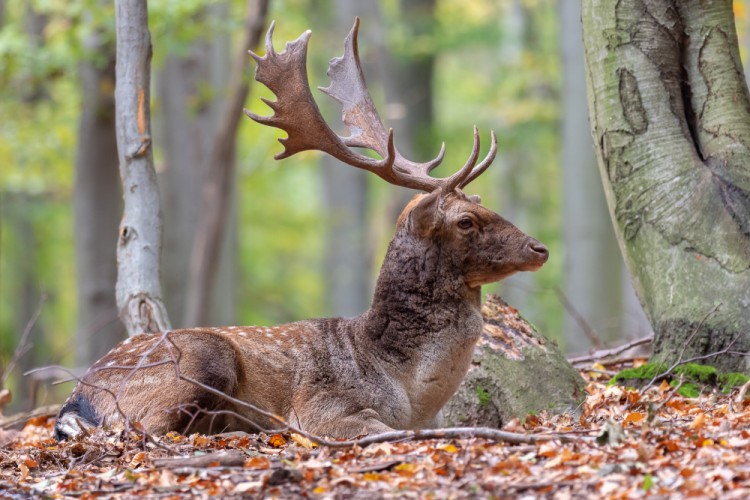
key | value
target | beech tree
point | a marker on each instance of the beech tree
(670, 116)
(138, 291)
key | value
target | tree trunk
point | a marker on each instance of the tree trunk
(670, 116)
(409, 93)
(96, 207)
(139, 298)
(594, 283)
(515, 371)
(348, 258)
(216, 190)
(187, 123)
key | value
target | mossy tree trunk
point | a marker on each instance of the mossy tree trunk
(670, 116)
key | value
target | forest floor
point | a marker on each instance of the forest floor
(624, 444)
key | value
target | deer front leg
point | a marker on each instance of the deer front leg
(366, 421)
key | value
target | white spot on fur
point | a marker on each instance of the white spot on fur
(243, 334)
(110, 363)
(127, 341)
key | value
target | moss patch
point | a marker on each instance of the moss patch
(727, 381)
(695, 378)
(483, 395)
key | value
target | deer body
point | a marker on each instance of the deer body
(393, 367)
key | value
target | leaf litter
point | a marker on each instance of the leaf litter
(627, 444)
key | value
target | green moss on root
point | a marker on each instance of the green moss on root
(483, 395)
(694, 377)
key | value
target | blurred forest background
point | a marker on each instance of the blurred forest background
(305, 237)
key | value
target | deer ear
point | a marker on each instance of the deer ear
(425, 216)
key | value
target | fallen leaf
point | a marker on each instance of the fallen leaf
(276, 440)
(258, 462)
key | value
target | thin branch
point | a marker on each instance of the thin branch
(217, 185)
(743, 391)
(19, 418)
(128, 424)
(605, 353)
(680, 361)
(592, 335)
(23, 345)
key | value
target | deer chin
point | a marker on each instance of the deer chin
(486, 279)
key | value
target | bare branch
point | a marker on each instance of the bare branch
(605, 353)
(23, 346)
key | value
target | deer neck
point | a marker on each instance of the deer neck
(422, 307)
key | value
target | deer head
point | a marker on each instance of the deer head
(491, 247)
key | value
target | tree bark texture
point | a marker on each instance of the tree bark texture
(670, 116)
(139, 298)
(220, 173)
(515, 371)
(96, 207)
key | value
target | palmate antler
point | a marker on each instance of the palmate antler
(296, 112)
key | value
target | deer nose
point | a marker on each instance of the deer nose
(537, 249)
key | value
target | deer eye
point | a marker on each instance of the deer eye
(465, 223)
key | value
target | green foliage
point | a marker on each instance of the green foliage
(692, 376)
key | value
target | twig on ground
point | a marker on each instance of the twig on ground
(19, 418)
(224, 458)
(614, 351)
(743, 391)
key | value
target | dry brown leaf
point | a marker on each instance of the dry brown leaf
(258, 462)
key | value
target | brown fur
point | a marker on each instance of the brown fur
(393, 367)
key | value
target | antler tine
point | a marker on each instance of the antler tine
(456, 179)
(349, 88)
(295, 110)
(479, 169)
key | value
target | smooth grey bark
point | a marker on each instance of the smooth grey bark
(348, 258)
(670, 115)
(188, 121)
(96, 206)
(138, 291)
(593, 278)
(215, 194)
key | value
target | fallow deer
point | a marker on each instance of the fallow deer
(393, 367)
